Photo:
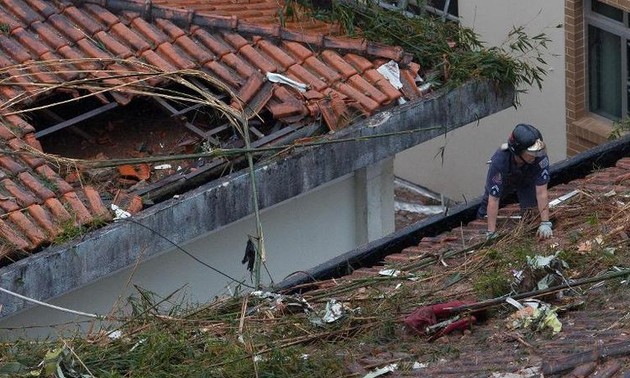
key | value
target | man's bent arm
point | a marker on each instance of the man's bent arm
(542, 198)
(492, 211)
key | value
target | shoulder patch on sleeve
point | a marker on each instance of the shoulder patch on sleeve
(497, 179)
(544, 162)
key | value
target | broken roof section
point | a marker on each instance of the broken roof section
(47, 46)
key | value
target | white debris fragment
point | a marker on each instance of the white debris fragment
(391, 71)
(389, 272)
(281, 79)
(162, 166)
(563, 198)
(334, 311)
(382, 371)
(115, 335)
(119, 213)
(419, 365)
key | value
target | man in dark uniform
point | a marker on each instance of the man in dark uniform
(521, 165)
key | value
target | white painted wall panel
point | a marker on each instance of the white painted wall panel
(462, 173)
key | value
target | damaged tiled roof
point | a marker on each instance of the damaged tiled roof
(290, 14)
(595, 337)
(37, 203)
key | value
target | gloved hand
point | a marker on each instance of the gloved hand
(544, 230)
(490, 235)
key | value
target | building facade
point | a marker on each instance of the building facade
(597, 35)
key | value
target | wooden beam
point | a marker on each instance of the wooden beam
(77, 119)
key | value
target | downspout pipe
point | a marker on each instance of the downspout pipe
(578, 166)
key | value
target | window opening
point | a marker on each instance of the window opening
(608, 69)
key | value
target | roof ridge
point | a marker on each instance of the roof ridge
(190, 17)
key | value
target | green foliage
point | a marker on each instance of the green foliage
(449, 53)
(620, 128)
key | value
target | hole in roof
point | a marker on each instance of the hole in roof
(148, 127)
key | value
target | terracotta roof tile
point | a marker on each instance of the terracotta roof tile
(35, 186)
(27, 40)
(23, 197)
(217, 46)
(217, 21)
(123, 33)
(27, 228)
(66, 27)
(347, 44)
(78, 209)
(194, 50)
(303, 75)
(9, 22)
(91, 50)
(11, 237)
(44, 219)
(61, 186)
(113, 45)
(257, 59)
(235, 40)
(257, 28)
(13, 49)
(276, 54)
(173, 31)
(228, 76)
(313, 40)
(22, 11)
(101, 15)
(95, 203)
(64, 71)
(5, 133)
(49, 36)
(322, 70)
(358, 62)
(338, 63)
(155, 36)
(19, 125)
(409, 88)
(379, 81)
(239, 65)
(367, 89)
(8, 163)
(7, 203)
(58, 211)
(368, 104)
(88, 25)
(251, 87)
(299, 51)
(175, 56)
(260, 99)
(30, 159)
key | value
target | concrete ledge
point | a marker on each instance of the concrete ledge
(61, 269)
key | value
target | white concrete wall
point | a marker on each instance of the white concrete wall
(462, 173)
(300, 234)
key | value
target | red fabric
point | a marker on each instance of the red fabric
(420, 318)
(426, 316)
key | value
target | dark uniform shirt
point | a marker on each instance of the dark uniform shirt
(505, 177)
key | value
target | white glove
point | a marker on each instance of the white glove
(490, 235)
(544, 230)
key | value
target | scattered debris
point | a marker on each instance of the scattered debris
(534, 315)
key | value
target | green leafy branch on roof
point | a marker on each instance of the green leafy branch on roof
(448, 53)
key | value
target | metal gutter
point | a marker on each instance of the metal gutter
(578, 166)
